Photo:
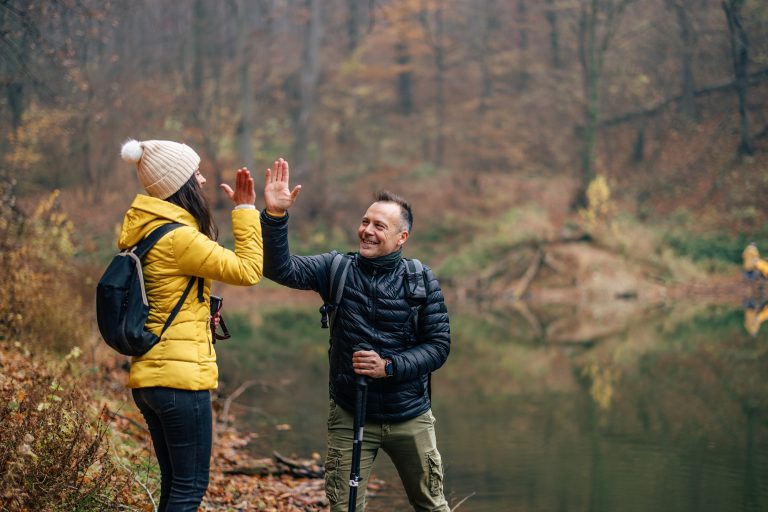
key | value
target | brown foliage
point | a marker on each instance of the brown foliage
(53, 451)
(35, 266)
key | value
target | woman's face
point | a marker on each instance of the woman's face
(200, 178)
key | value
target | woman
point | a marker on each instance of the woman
(171, 383)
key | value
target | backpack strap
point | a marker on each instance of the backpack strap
(415, 289)
(336, 282)
(415, 282)
(180, 303)
(142, 248)
(416, 293)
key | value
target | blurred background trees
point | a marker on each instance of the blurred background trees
(664, 98)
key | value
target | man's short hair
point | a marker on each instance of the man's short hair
(406, 215)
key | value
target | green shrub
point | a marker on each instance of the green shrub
(719, 247)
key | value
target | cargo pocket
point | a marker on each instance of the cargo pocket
(333, 484)
(435, 473)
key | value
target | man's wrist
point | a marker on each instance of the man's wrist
(275, 214)
(389, 368)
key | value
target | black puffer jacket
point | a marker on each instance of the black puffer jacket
(374, 309)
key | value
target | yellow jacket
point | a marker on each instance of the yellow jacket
(184, 357)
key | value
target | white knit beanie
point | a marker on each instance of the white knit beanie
(163, 166)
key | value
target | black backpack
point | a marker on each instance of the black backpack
(416, 289)
(121, 300)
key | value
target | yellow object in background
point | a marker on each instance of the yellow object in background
(752, 260)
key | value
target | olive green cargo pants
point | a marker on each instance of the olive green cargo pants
(412, 447)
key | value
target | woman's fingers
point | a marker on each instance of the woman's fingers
(227, 190)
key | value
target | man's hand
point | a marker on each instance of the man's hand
(369, 363)
(278, 196)
(244, 192)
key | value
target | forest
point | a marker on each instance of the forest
(537, 140)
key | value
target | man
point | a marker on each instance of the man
(375, 309)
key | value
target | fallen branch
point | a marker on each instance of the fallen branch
(532, 320)
(115, 415)
(705, 91)
(280, 465)
(138, 481)
(233, 396)
(308, 469)
(454, 509)
(530, 273)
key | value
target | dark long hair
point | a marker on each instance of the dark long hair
(190, 197)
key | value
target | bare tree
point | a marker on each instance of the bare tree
(404, 74)
(308, 81)
(598, 22)
(740, 54)
(554, 35)
(687, 49)
(489, 25)
(245, 60)
(433, 22)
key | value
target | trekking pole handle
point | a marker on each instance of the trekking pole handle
(361, 380)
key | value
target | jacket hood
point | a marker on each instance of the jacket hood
(147, 213)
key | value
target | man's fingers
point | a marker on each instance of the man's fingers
(295, 192)
(242, 178)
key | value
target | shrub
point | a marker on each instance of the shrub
(53, 451)
(35, 266)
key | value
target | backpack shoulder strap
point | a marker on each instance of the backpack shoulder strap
(339, 269)
(336, 283)
(416, 287)
(142, 248)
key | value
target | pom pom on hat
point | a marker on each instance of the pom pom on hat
(131, 151)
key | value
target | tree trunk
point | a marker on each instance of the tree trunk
(740, 55)
(246, 57)
(198, 31)
(687, 41)
(436, 38)
(486, 74)
(597, 25)
(353, 25)
(522, 38)
(404, 76)
(308, 77)
(554, 34)
(440, 86)
(590, 65)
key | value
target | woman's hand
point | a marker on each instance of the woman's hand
(244, 192)
(278, 196)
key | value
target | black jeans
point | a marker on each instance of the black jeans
(180, 423)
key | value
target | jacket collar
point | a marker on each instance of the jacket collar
(147, 213)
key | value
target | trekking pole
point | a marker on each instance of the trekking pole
(361, 397)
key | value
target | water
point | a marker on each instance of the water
(661, 410)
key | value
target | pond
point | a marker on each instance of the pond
(660, 410)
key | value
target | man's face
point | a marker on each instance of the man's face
(381, 231)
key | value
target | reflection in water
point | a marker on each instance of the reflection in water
(669, 413)
(756, 304)
(754, 316)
